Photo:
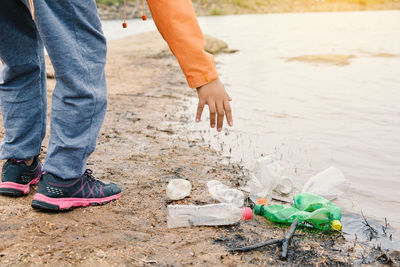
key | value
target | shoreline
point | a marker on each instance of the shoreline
(222, 7)
(143, 144)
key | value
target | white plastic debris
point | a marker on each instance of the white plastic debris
(265, 177)
(284, 185)
(257, 190)
(326, 183)
(224, 194)
(178, 189)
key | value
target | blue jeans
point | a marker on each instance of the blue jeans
(71, 32)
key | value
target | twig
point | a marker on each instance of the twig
(256, 246)
(372, 230)
(385, 227)
(149, 261)
(284, 242)
(288, 238)
(144, 260)
(282, 199)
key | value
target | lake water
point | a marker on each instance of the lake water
(313, 115)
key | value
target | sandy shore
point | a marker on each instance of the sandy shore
(142, 146)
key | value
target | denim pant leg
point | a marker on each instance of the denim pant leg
(22, 82)
(72, 34)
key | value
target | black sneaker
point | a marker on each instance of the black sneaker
(17, 177)
(55, 193)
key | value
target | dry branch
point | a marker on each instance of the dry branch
(284, 242)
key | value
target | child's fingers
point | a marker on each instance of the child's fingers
(211, 107)
(220, 115)
(228, 112)
(200, 108)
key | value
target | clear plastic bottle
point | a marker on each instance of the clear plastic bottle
(267, 169)
(265, 177)
(178, 189)
(224, 194)
(257, 190)
(213, 214)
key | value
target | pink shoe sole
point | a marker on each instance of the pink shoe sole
(15, 189)
(41, 201)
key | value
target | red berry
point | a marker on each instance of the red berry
(124, 25)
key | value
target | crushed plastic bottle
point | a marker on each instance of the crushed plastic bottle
(326, 183)
(224, 194)
(257, 190)
(316, 210)
(213, 214)
(267, 169)
(310, 202)
(265, 177)
(285, 214)
(178, 189)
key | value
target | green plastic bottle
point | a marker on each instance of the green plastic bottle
(313, 209)
(310, 202)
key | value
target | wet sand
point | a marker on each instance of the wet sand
(141, 149)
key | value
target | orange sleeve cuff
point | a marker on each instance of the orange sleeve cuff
(195, 81)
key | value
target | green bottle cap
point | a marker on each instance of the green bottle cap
(259, 209)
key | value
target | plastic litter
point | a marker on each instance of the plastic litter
(265, 177)
(257, 190)
(224, 194)
(284, 185)
(326, 183)
(307, 207)
(178, 189)
(213, 214)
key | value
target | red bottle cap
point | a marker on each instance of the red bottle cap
(247, 214)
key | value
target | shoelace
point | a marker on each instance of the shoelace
(15, 161)
(89, 174)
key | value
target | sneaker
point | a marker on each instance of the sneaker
(17, 177)
(55, 193)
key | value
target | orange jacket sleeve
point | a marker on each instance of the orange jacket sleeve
(176, 21)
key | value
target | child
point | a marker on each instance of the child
(177, 23)
(71, 32)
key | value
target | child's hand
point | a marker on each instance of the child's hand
(214, 95)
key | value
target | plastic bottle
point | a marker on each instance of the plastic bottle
(285, 214)
(314, 209)
(257, 190)
(310, 202)
(326, 183)
(265, 177)
(267, 170)
(178, 189)
(213, 214)
(224, 194)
